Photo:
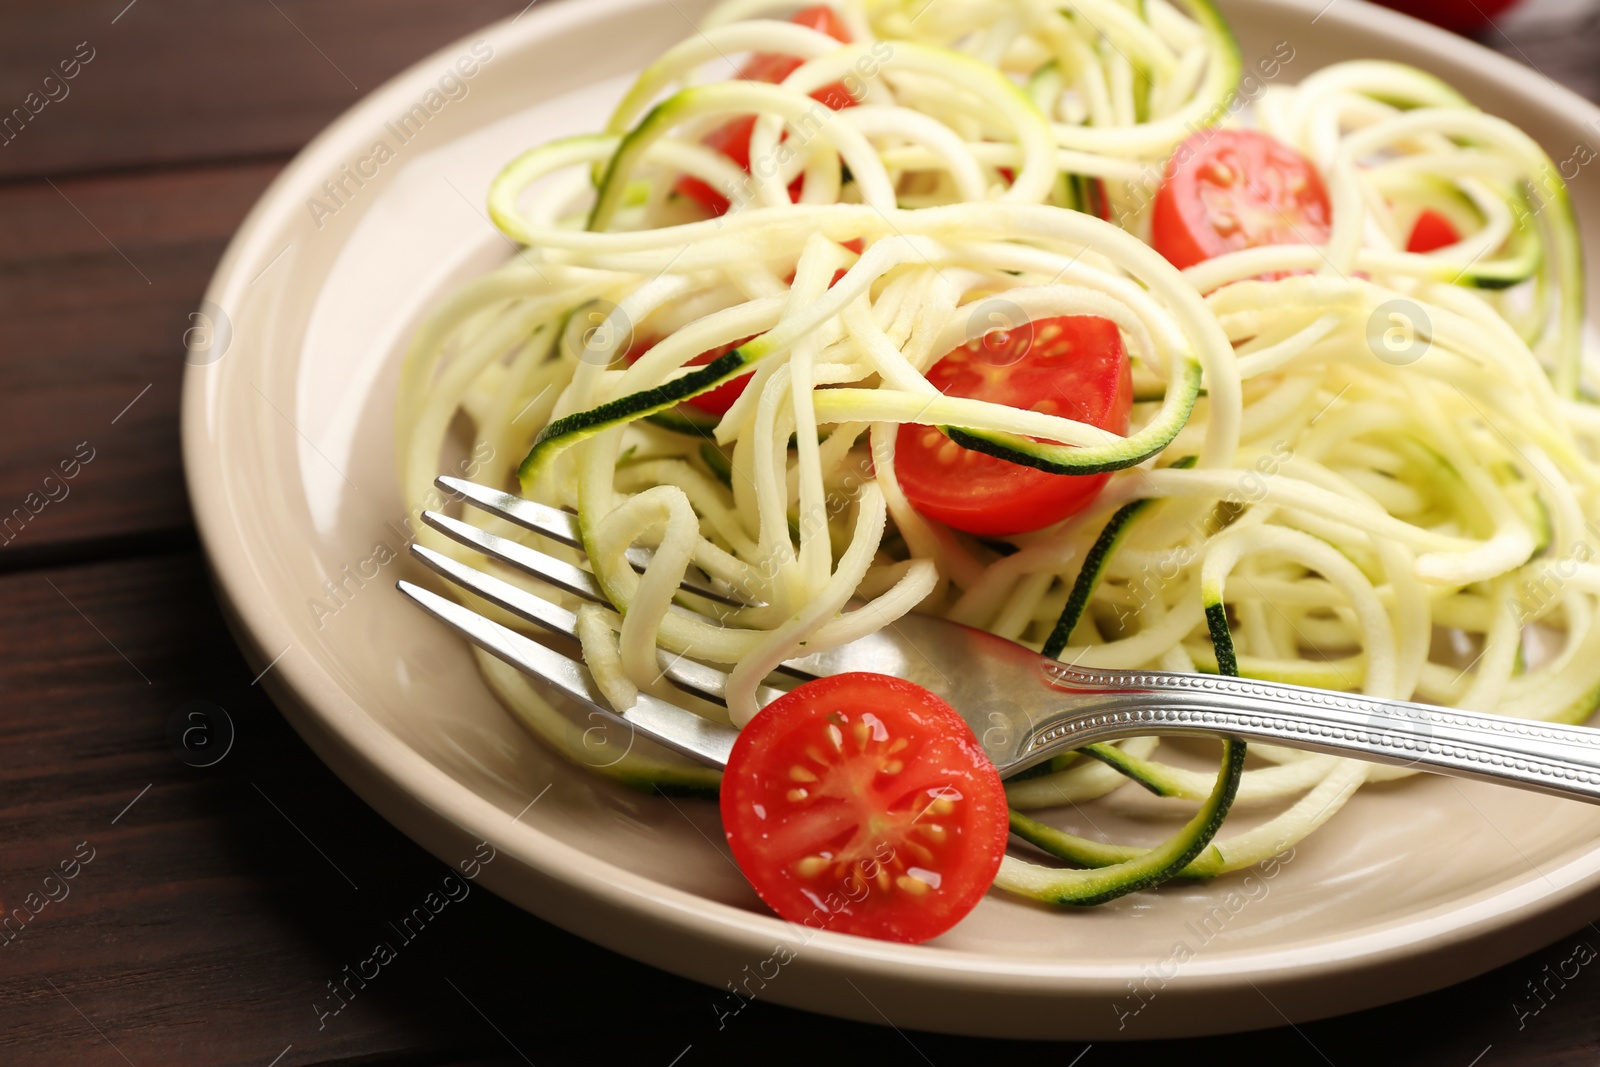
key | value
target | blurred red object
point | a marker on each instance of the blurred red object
(1462, 16)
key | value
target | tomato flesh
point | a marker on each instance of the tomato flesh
(1469, 18)
(1074, 366)
(863, 804)
(733, 138)
(714, 401)
(1432, 230)
(1226, 190)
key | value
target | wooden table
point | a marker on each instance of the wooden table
(205, 917)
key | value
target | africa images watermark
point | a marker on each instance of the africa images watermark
(452, 86)
(340, 590)
(53, 89)
(1537, 596)
(855, 888)
(1547, 186)
(452, 890)
(200, 733)
(801, 131)
(1253, 888)
(52, 490)
(1554, 980)
(1251, 488)
(1251, 86)
(55, 889)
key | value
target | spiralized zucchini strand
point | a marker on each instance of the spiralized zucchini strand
(1350, 466)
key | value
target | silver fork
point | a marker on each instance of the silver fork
(1023, 707)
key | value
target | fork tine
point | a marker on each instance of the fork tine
(558, 573)
(519, 602)
(543, 519)
(664, 723)
(687, 674)
(560, 526)
(578, 582)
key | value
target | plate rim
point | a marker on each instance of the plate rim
(357, 746)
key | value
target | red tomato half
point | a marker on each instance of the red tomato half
(1230, 189)
(773, 68)
(863, 804)
(1074, 366)
(1432, 230)
(733, 139)
(715, 402)
(1462, 16)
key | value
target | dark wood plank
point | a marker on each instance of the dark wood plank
(98, 274)
(186, 80)
(215, 909)
(173, 929)
(206, 924)
(97, 278)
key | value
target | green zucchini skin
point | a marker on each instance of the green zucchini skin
(608, 191)
(1021, 457)
(1056, 459)
(1139, 771)
(1117, 870)
(1070, 846)
(689, 423)
(718, 461)
(1221, 638)
(1523, 257)
(570, 429)
(1098, 459)
(1099, 854)
(1143, 869)
(1094, 565)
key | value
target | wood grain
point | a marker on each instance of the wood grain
(221, 901)
(181, 81)
(217, 907)
(97, 278)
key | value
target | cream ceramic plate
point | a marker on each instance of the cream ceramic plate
(288, 446)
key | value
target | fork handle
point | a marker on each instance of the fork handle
(1104, 705)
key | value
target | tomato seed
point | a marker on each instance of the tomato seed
(811, 866)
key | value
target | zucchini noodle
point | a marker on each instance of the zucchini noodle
(1374, 472)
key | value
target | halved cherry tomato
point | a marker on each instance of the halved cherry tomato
(733, 139)
(772, 67)
(1230, 189)
(715, 401)
(863, 804)
(1074, 366)
(1432, 230)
